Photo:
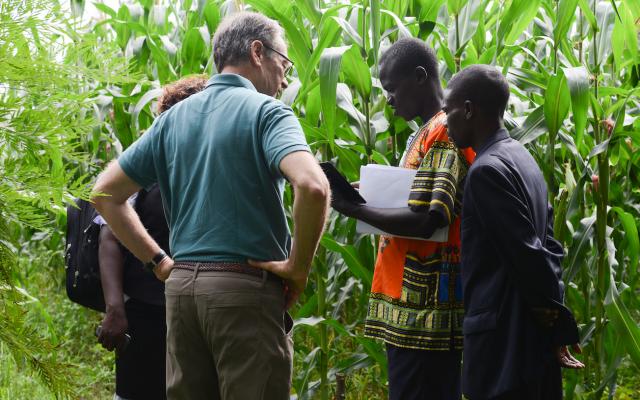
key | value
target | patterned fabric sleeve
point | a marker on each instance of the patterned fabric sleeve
(438, 182)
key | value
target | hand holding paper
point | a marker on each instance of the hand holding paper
(389, 187)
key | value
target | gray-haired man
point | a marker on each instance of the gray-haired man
(220, 158)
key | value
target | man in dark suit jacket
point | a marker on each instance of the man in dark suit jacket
(516, 327)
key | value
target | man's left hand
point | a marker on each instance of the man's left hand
(295, 278)
(566, 359)
(344, 206)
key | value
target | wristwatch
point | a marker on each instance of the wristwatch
(155, 260)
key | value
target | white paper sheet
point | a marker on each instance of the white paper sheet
(389, 187)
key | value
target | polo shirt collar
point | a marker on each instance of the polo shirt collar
(501, 134)
(231, 80)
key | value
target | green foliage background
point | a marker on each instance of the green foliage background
(75, 92)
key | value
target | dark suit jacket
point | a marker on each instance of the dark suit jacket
(510, 264)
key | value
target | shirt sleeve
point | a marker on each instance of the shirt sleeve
(437, 186)
(139, 160)
(281, 134)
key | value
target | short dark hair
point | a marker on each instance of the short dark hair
(408, 53)
(484, 86)
(175, 92)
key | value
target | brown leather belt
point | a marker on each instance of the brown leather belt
(225, 267)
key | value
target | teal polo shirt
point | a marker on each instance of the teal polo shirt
(216, 158)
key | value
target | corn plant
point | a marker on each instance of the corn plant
(574, 69)
(44, 96)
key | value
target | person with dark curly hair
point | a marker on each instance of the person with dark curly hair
(134, 323)
(177, 91)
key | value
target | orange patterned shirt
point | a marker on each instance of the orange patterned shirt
(416, 294)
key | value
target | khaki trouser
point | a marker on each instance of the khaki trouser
(228, 337)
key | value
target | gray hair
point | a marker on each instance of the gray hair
(232, 40)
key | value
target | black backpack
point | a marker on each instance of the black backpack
(81, 256)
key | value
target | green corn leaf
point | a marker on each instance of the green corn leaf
(588, 13)
(566, 15)
(350, 256)
(105, 9)
(309, 9)
(122, 30)
(631, 236)
(168, 45)
(599, 148)
(164, 68)
(429, 9)
(570, 144)
(211, 15)
(578, 82)
(630, 30)
(313, 106)
(487, 56)
(606, 18)
(357, 72)
(579, 248)
(479, 38)
(157, 20)
(566, 49)
(350, 31)
(560, 210)
(617, 42)
(375, 23)
(308, 308)
(527, 79)
(308, 321)
(349, 163)
(402, 29)
(516, 20)
(329, 34)
(122, 125)
(346, 292)
(468, 20)
(615, 8)
(329, 72)
(633, 6)
(193, 47)
(557, 100)
(533, 127)
(144, 100)
(624, 323)
(57, 172)
(455, 6)
(445, 53)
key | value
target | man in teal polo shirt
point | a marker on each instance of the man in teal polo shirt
(220, 159)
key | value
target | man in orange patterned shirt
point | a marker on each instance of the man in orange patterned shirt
(416, 296)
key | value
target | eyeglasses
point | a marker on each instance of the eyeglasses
(289, 69)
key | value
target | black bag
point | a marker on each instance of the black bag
(81, 257)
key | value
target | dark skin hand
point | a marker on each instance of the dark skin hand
(114, 323)
(547, 317)
(396, 221)
(567, 360)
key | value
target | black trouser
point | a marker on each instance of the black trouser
(423, 374)
(140, 368)
(549, 387)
